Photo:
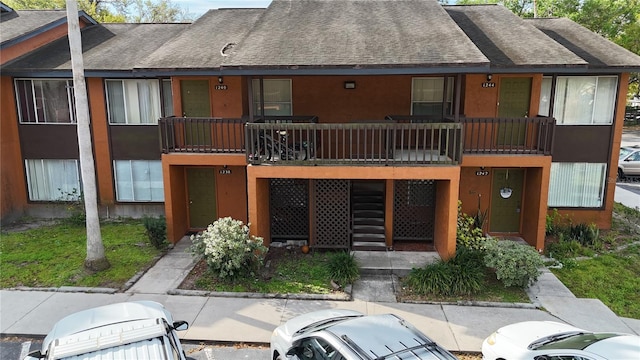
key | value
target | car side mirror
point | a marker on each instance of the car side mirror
(180, 325)
(36, 354)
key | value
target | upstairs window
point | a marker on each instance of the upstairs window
(45, 101)
(580, 100)
(428, 96)
(136, 101)
(277, 97)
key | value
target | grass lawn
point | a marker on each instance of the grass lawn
(287, 271)
(53, 256)
(613, 278)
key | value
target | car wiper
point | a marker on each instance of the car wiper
(324, 323)
(553, 338)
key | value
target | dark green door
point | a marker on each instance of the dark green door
(196, 103)
(202, 197)
(515, 96)
(506, 200)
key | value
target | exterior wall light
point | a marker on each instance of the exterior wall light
(349, 84)
(220, 80)
(489, 77)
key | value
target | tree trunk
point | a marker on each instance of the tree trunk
(96, 259)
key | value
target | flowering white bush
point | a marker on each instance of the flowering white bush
(228, 248)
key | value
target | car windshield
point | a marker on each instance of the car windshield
(324, 323)
(575, 341)
(624, 152)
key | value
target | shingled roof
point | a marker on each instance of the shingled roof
(595, 49)
(19, 25)
(200, 45)
(508, 41)
(356, 33)
(106, 47)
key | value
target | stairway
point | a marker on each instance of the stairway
(367, 212)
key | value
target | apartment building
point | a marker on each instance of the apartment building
(350, 124)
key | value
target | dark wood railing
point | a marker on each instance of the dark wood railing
(202, 135)
(381, 143)
(508, 135)
(404, 140)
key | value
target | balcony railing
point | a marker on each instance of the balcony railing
(202, 135)
(511, 136)
(372, 143)
(399, 140)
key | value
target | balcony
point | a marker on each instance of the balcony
(395, 141)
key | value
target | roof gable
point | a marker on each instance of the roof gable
(593, 48)
(508, 41)
(356, 33)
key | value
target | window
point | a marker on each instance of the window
(139, 180)
(277, 97)
(135, 101)
(167, 97)
(53, 180)
(581, 100)
(45, 101)
(577, 185)
(427, 96)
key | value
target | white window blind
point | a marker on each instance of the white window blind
(139, 180)
(583, 100)
(53, 180)
(577, 185)
(133, 101)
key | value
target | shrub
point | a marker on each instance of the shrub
(515, 264)
(468, 233)
(228, 249)
(343, 268)
(461, 275)
(557, 224)
(156, 229)
(587, 235)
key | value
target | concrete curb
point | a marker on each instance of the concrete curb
(343, 296)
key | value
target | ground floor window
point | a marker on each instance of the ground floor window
(577, 185)
(53, 179)
(139, 180)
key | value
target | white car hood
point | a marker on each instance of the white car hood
(524, 333)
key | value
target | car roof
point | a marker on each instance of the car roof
(106, 315)
(624, 346)
(381, 335)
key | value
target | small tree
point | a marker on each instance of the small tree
(228, 249)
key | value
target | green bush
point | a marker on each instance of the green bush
(468, 233)
(515, 264)
(343, 268)
(156, 229)
(587, 235)
(228, 249)
(461, 275)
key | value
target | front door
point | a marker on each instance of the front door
(196, 103)
(506, 200)
(202, 197)
(515, 96)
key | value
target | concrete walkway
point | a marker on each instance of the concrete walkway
(251, 319)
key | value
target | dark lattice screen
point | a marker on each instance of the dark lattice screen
(331, 228)
(289, 206)
(414, 209)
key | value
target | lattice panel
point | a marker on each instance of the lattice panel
(414, 209)
(289, 209)
(332, 219)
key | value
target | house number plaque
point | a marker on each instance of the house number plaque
(224, 171)
(221, 87)
(488, 84)
(482, 173)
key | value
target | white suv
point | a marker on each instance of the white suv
(350, 335)
(129, 330)
(629, 161)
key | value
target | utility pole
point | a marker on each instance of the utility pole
(96, 259)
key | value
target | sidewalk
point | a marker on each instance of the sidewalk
(252, 319)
